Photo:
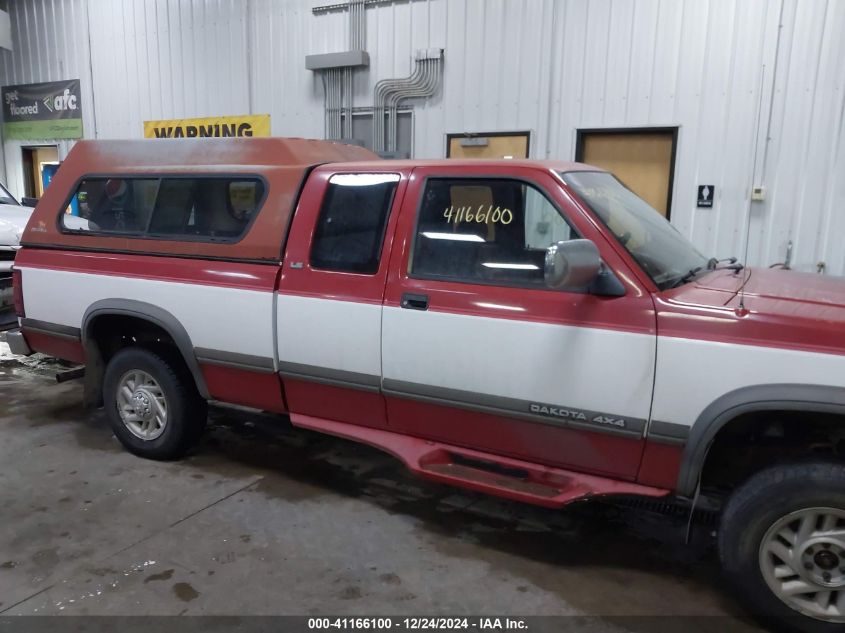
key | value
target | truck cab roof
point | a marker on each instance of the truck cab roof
(468, 164)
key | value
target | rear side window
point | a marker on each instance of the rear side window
(212, 209)
(350, 230)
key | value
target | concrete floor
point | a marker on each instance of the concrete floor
(264, 519)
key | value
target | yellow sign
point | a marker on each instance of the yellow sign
(212, 126)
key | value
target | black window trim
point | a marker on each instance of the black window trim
(160, 176)
(390, 212)
(123, 251)
(481, 282)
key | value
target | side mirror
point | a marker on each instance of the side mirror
(571, 264)
(29, 202)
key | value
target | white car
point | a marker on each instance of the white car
(13, 219)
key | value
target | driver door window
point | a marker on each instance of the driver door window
(493, 231)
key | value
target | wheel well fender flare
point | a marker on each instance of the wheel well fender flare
(753, 399)
(155, 315)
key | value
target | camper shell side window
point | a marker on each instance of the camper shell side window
(176, 207)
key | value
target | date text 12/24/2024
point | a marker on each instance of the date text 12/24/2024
(417, 623)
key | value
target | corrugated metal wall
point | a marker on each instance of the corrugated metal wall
(726, 72)
(50, 43)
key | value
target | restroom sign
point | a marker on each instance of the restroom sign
(705, 196)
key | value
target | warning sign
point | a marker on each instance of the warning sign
(212, 126)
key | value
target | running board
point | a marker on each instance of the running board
(482, 472)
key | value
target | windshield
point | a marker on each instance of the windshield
(6, 197)
(662, 252)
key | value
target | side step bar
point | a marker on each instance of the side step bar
(483, 472)
(71, 374)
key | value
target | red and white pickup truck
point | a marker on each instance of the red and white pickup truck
(529, 329)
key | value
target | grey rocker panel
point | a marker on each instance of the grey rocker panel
(777, 397)
(53, 329)
(667, 432)
(512, 407)
(328, 376)
(154, 314)
(235, 360)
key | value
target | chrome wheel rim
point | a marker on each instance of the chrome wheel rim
(142, 405)
(802, 559)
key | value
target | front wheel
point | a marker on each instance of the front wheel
(152, 404)
(782, 544)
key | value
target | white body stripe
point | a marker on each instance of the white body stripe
(692, 373)
(578, 367)
(226, 319)
(341, 335)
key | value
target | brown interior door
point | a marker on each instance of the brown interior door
(488, 145)
(643, 160)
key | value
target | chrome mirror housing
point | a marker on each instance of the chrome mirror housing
(571, 264)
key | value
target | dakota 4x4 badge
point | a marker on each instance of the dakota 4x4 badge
(576, 415)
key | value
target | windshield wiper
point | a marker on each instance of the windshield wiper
(733, 264)
(688, 277)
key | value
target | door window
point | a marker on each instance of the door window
(350, 229)
(493, 231)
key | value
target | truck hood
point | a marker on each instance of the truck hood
(777, 308)
(13, 220)
(769, 287)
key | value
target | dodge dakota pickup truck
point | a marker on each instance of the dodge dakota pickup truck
(528, 329)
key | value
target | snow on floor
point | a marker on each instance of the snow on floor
(37, 362)
(6, 353)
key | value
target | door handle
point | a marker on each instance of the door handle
(414, 302)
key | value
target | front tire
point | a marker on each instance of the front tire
(782, 545)
(152, 404)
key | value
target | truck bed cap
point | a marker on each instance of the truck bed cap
(282, 162)
(207, 152)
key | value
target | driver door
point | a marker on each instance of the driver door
(478, 352)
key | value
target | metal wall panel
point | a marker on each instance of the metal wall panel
(740, 79)
(804, 168)
(50, 43)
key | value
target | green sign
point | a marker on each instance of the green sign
(50, 110)
(29, 130)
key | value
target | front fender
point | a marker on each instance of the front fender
(720, 412)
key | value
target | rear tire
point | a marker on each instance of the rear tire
(782, 545)
(152, 404)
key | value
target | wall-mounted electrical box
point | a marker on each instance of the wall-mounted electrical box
(428, 53)
(758, 194)
(345, 59)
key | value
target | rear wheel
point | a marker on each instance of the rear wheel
(152, 404)
(782, 543)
